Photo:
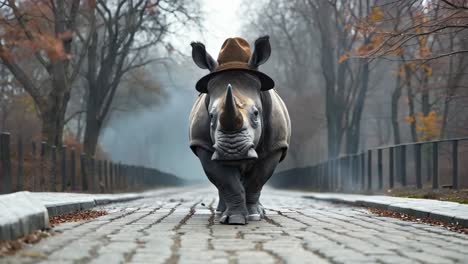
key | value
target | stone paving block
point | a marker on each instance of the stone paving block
(426, 258)
(112, 257)
(395, 259)
(353, 257)
(70, 253)
(255, 257)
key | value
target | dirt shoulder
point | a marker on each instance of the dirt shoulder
(458, 196)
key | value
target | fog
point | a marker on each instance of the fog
(354, 75)
(158, 136)
(369, 106)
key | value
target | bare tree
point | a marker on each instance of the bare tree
(312, 42)
(429, 39)
(346, 81)
(123, 37)
(425, 18)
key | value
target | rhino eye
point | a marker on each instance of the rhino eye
(255, 112)
(211, 115)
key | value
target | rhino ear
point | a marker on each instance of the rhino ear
(261, 53)
(202, 58)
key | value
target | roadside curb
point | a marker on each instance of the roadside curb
(80, 202)
(23, 212)
(20, 215)
(448, 212)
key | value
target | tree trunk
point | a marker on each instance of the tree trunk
(4, 119)
(93, 124)
(354, 131)
(425, 99)
(332, 109)
(91, 135)
(52, 113)
(395, 98)
(409, 90)
(414, 135)
(52, 126)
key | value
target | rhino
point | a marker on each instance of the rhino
(239, 127)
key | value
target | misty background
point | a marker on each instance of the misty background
(159, 134)
(354, 74)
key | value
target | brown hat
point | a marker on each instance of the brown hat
(235, 54)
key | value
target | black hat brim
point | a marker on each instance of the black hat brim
(266, 82)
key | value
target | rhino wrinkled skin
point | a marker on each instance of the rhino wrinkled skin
(240, 134)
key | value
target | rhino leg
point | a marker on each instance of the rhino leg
(230, 188)
(221, 205)
(254, 181)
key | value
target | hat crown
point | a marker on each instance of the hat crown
(234, 50)
(235, 54)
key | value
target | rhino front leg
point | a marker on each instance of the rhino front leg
(230, 188)
(254, 181)
(221, 204)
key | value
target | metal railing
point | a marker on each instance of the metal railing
(50, 168)
(412, 165)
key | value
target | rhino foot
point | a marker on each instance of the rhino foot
(233, 217)
(221, 207)
(256, 212)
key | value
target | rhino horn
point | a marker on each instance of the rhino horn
(231, 118)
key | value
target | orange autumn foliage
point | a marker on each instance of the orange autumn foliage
(343, 57)
(32, 33)
(428, 127)
(376, 14)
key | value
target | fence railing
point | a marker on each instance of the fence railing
(430, 164)
(44, 167)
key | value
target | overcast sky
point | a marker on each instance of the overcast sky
(220, 21)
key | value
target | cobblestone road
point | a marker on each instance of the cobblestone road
(181, 227)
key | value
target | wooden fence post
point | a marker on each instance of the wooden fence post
(369, 170)
(380, 169)
(133, 176)
(119, 176)
(106, 186)
(356, 177)
(455, 181)
(73, 169)
(5, 158)
(435, 161)
(124, 177)
(42, 166)
(418, 166)
(20, 176)
(53, 180)
(92, 175)
(403, 165)
(116, 176)
(363, 171)
(33, 176)
(339, 174)
(84, 175)
(99, 177)
(391, 167)
(63, 167)
(111, 176)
